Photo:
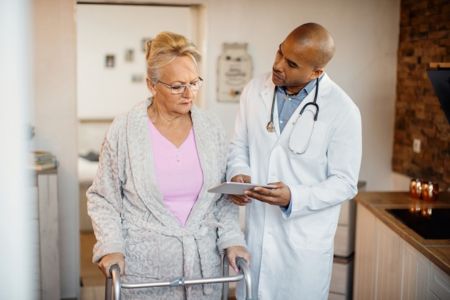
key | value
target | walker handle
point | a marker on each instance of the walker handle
(114, 285)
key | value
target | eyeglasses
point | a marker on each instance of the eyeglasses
(178, 88)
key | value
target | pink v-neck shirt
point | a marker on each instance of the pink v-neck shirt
(178, 172)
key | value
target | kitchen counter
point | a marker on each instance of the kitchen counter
(437, 251)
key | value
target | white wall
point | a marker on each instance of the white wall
(104, 93)
(56, 122)
(366, 35)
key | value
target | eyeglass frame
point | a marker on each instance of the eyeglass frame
(191, 86)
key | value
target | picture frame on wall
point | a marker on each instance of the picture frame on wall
(110, 61)
(137, 78)
(129, 55)
(144, 43)
(234, 70)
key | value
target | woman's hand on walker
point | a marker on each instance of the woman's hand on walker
(237, 251)
(107, 261)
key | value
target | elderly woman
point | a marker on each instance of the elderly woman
(149, 205)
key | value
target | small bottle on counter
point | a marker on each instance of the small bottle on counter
(430, 191)
(415, 188)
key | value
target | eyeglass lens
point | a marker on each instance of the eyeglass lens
(181, 88)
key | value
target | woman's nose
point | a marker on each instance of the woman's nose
(188, 93)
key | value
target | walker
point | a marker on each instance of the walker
(113, 284)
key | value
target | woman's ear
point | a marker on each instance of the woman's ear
(151, 86)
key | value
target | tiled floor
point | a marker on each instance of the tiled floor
(92, 280)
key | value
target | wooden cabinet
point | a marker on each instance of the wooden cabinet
(387, 267)
(341, 279)
(365, 256)
(438, 284)
(344, 246)
(389, 256)
(344, 241)
(48, 242)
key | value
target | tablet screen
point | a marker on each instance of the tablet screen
(236, 188)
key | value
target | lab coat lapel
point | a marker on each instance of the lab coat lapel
(324, 85)
(267, 96)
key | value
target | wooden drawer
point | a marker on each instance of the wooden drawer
(342, 277)
(344, 241)
(334, 296)
(347, 216)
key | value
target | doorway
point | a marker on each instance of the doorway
(111, 74)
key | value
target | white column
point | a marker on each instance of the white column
(18, 264)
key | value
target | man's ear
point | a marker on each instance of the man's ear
(317, 73)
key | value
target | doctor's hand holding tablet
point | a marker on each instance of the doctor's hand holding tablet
(275, 193)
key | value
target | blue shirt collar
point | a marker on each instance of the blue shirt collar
(307, 89)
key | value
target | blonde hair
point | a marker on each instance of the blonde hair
(164, 48)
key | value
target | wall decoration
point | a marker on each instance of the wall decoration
(137, 78)
(140, 23)
(234, 71)
(144, 42)
(129, 55)
(109, 61)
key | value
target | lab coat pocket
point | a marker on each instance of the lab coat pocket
(142, 257)
(312, 144)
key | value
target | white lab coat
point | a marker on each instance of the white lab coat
(292, 255)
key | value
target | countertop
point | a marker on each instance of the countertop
(437, 251)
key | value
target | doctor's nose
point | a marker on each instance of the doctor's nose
(277, 67)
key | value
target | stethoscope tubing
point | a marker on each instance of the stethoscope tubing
(270, 127)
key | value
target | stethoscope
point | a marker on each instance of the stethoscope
(271, 128)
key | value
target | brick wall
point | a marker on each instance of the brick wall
(424, 38)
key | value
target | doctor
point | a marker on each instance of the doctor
(299, 131)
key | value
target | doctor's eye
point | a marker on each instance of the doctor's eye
(291, 64)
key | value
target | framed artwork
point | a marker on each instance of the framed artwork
(129, 55)
(144, 43)
(137, 78)
(110, 61)
(234, 71)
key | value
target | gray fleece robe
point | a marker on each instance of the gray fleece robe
(129, 216)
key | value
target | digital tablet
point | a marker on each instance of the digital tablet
(236, 188)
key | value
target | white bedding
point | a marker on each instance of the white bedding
(86, 170)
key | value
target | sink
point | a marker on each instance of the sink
(433, 223)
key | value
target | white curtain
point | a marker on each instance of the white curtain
(18, 251)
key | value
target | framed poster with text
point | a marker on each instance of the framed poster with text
(234, 70)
